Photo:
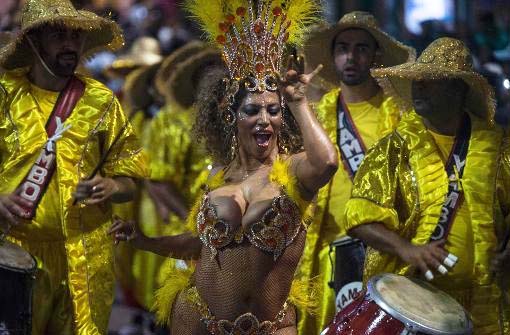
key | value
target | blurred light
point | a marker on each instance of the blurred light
(506, 84)
(417, 11)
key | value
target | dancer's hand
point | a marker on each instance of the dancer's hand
(96, 190)
(293, 84)
(128, 231)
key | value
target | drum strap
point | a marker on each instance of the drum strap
(352, 148)
(454, 169)
(38, 178)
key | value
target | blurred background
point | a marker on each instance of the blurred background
(484, 25)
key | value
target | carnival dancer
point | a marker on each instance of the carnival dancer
(432, 198)
(58, 129)
(249, 223)
(355, 115)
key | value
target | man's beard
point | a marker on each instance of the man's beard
(64, 64)
(358, 79)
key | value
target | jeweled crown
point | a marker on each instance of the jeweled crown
(253, 35)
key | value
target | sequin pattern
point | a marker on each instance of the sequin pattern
(277, 229)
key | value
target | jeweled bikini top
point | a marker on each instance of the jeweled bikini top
(277, 228)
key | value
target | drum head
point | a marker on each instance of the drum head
(420, 305)
(13, 257)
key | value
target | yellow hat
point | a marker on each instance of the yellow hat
(445, 58)
(183, 82)
(101, 33)
(145, 51)
(319, 44)
(170, 63)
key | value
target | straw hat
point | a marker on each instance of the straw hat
(319, 44)
(445, 58)
(138, 85)
(183, 82)
(145, 51)
(170, 63)
(101, 33)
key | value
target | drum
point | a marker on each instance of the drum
(398, 305)
(17, 272)
(347, 270)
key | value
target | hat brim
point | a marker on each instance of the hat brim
(101, 34)
(398, 79)
(183, 82)
(137, 85)
(318, 49)
(170, 63)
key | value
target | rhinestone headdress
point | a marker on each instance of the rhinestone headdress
(253, 34)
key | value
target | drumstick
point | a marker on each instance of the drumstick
(104, 157)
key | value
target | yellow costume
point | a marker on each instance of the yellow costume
(384, 192)
(175, 159)
(74, 287)
(373, 119)
(402, 183)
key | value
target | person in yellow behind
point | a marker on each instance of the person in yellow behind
(58, 129)
(433, 197)
(355, 115)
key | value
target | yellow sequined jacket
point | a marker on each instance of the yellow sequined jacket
(95, 121)
(402, 184)
(329, 217)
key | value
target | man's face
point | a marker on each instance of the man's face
(434, 99)
(60, 48)
(354, 52)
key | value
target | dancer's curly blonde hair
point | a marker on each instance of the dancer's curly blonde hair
(210, 125)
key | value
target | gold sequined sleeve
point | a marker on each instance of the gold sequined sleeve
(375, 186)
(126, 157)
(503, 188)
(3, 118)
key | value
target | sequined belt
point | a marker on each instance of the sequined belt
(245, 324)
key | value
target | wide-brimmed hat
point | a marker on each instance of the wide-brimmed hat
(318, 48)
(101, 33)
(445, 58)
(137, 87)
(169, 65)
(144, 51)
(183, 82)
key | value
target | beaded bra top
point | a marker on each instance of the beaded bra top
(277, 229)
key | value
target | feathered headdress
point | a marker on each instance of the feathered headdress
(253, 34)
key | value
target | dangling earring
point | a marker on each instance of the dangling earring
(233, 146)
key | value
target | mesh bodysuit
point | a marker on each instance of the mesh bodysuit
(243, 278)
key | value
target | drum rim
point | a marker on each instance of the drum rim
(409, 324)
(345, 240)
(31, 270)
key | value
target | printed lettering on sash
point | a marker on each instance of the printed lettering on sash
(37, 179)
(454, 169)
(352, 148)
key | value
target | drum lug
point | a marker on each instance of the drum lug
(408, 330)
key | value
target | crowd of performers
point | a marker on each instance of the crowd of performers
(216, 181)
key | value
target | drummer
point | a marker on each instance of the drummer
(433, 197)
(43, 171)
(357, 44)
